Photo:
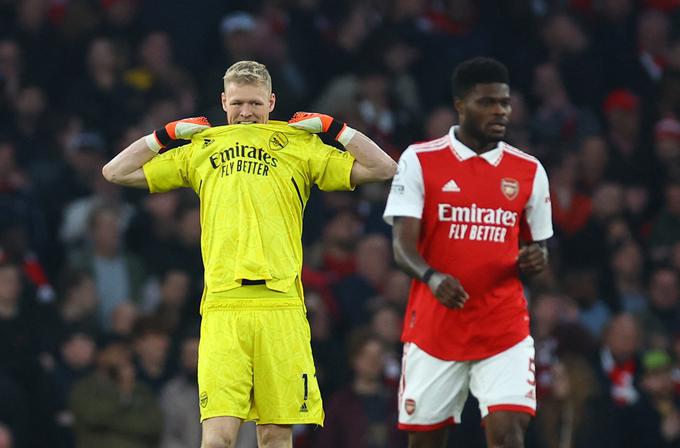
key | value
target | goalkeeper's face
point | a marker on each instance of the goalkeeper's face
(247, 103)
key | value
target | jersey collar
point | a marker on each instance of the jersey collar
(462, 152)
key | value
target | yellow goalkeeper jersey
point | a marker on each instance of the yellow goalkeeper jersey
(253, 182)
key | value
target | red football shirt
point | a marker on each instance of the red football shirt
(473, 209)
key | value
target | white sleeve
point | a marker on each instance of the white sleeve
(538, 209)
(407, 193)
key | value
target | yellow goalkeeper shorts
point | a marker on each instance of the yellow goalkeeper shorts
(255, 360)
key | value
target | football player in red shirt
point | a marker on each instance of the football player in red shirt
(470, 214)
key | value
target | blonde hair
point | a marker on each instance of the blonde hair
(248, 72)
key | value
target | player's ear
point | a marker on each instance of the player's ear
(224, 102)
(459, 105)
(272, 102)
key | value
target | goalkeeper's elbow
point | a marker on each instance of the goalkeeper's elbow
(386, 170)
(109, 173)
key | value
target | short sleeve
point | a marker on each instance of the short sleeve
(538, 211)
(407, 194)
(169, 170)
(331, 168)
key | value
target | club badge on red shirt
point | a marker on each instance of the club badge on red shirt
(510, 188)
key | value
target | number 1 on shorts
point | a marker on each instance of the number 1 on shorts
(304, 378)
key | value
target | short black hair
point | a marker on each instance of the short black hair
(478, 70)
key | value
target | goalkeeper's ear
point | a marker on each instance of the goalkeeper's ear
(272, 102)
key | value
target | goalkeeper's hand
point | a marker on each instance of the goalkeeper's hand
(176, 130)
(320, 123)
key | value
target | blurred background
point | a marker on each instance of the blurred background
(99, 286)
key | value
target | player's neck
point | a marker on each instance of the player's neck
(477, 145)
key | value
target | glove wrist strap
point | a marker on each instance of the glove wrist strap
(162, 136)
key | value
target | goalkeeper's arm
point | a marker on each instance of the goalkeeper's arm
(371, 162)
(126, 168)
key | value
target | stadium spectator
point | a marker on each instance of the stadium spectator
(101, 90)
(75, 360)
(395, 292)
(153, 230)
(623, 126)
(386, 325)
(367, 405)
(627, 282)
(577, 61)
(667, 148)
(118, 274)
(593, 158)
(618, 365)
(179, 400)
(662, 317)
(557, 123)
(123, 319)
(655, 419)
(666, 229)
(174, 307)
(125, 414)
(6, 439)
(577, 413)
(73, 231)
(582, 285)
(357, 293)
(571, 207)
(78, 301)
(151, 346)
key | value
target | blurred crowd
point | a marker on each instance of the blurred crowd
(100, 286)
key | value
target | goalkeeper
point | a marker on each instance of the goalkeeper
(253, 178)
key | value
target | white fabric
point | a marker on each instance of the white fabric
(463, 152)
(439, 388)
(538, 209)
(407, 195)
(152, 143)
(346, 135)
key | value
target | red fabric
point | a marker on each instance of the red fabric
(448, 422)
(663, 5)
(512, 408)
(319, 281)
(572, 219)
(443, 22)
(621, 376)
(340, 268)
(621, 99)
(583, 7)
(668, 128)
(495, 317)
(34, 271)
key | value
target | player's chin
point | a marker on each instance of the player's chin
(495, 132)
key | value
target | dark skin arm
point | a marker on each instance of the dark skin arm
(444, 287)
(533, 258)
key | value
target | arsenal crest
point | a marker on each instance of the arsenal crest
(510, 188)
(410, 405)
(277, 141)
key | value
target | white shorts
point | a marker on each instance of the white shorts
(432, 392)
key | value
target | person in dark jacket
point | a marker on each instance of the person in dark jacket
(364, 414)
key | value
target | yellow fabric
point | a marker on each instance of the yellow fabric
(253, 181)
(255, 362)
